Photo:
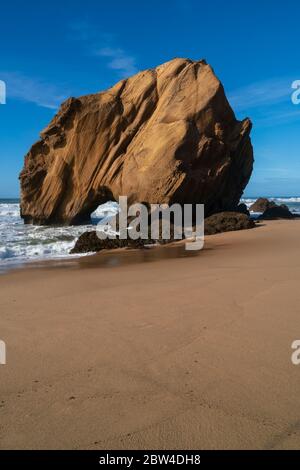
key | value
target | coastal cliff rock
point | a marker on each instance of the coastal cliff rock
(164, 135)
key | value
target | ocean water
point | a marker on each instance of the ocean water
(21, 243)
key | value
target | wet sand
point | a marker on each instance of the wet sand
(182, 352)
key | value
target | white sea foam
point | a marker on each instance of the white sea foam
(9, 210)
(106, 210)
(288, 200)
(20, 243)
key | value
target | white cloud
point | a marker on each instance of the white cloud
(32, 90)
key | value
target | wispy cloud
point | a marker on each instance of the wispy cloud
(268, 102)
(32, 90)
(118, 60)
(104, 45)
(263, 93)
(49, 95)
(279, 116)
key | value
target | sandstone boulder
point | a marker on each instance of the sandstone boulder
(164, 135)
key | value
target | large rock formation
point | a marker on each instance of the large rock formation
(164, 135)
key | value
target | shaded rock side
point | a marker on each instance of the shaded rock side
(164, 135)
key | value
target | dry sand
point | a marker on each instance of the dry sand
(178, 353)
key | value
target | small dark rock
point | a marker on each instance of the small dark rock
(89, 242)
(277, 212)
(243, 209)
(227, 222)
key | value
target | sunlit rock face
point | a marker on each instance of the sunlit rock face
(164, 135)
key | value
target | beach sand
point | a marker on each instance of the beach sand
(179, 353)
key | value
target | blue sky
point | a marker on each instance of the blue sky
(52, 50)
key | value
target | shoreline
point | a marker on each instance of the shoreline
(106, 258)
(23, 246)
(182, 353)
